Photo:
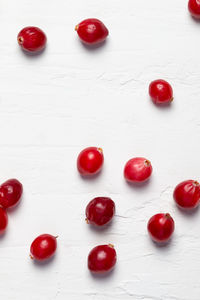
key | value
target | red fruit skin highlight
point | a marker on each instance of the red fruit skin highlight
(160, 92)
(102, 259)
(187, 194)
(43, 247)
(92, 31)
(161, 227)
(32, 39)
(90, 161)
(137, 169)
(194, 8)
(10, 193)
(100, 211)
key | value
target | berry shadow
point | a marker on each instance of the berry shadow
(139, 185)
(164, 106)
(103, 276)
(33, 55)
(189, 213)
(91, 177)
(95, 46)
(101, 229)
(3, 235)
(164, 246)
(45, 263)
(197, 21)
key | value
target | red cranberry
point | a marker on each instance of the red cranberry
(43, 247)
(90, 161)
(32, 39)
(137, 169)
(187, 194)
(10, 193)
(92, 31)
(160, 92)
(102, 259)
(161, 227)
(100, 211)
(194, 8)
(3, 220)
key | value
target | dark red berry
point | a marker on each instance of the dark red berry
(10, 193)
(3, 220)
(187, 194)
(90, 161)
(32, 39)
(161, 227)
(194, 8)
(160, 92)
(137, 169)
(102, 258)
(43, 247)
(92, 31)
(100, 211)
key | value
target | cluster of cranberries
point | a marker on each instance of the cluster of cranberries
(101, 210)
(10, 194)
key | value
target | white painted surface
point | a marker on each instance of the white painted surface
(70, 97)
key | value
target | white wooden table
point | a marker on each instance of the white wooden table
(70, 97)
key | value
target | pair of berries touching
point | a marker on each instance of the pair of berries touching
(10, 194)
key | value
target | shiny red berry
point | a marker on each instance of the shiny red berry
(100, 211)
(10, 193)
(92, 31)
(90, 161)
(43, 247)
(3, 220)
(187, 194)
(160, 92)
(137, 169)
(161, 227)
(32, 39)
(194, 8)
(102, 258)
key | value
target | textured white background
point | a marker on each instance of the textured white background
(70, 97)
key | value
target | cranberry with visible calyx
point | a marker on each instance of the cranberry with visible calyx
(32, 39)
(160, 227)
(102, 258)
(10, 193)
(43, 247)
(100, 211)
(160, 92)
(90, 161)
(137, 169)
(92, 31)
(187, 194)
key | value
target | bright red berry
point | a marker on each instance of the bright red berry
(3, 220)
(187, 194)
(194, 8)
(100, 211)
(102, 258)
(137, 169)
(43, 247)
(32, 39)
(160, 92)
(90, 161)
(161, 227)
(10, 193)
(92, 31)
